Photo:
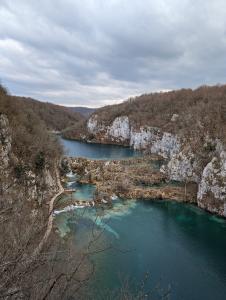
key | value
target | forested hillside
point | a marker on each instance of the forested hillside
(29, 158)
(84, 111)
(193, 111)
(201, 109)
(56, 117)
(28, 122)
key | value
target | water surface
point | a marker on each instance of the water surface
(180, 245)
(97, 151)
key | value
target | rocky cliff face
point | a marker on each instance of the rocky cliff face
(5, 149)
(5, 141)
(182, 164)
(36, 187)
(117, 132)
(212, 186)
(25, 206)
(121, 131)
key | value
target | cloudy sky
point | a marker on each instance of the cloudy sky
(97, 52)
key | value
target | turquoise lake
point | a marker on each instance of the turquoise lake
(180, 245)
(97, 151)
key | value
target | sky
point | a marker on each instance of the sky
(98, 52)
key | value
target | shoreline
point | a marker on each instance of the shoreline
(107, 175)
(95, 142)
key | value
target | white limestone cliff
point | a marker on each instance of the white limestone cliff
(166, 146)
(92, 124)
(182, 167)
(120, 129)
(181, 162)
(140, 139)
(212, 187)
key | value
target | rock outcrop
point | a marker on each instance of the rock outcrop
(5, 149)
(117, 132)
(5, 142)
(182, 166)
(181, 162)
(121, 131)
(212, 187)
(141, 139)
(36, 187)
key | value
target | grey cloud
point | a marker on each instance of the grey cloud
(96, 52)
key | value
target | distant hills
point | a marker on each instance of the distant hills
(55, 117)
(84, 111)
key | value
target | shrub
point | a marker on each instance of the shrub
(40, 161)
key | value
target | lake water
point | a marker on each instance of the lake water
(97, 151)
(180, 245)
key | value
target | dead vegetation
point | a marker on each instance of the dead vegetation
(201, 109)
(136, 178)
(193, 114)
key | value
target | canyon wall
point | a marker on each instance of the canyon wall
(17, 181)
(182, 163)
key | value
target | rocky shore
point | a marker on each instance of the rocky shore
(134, 178)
